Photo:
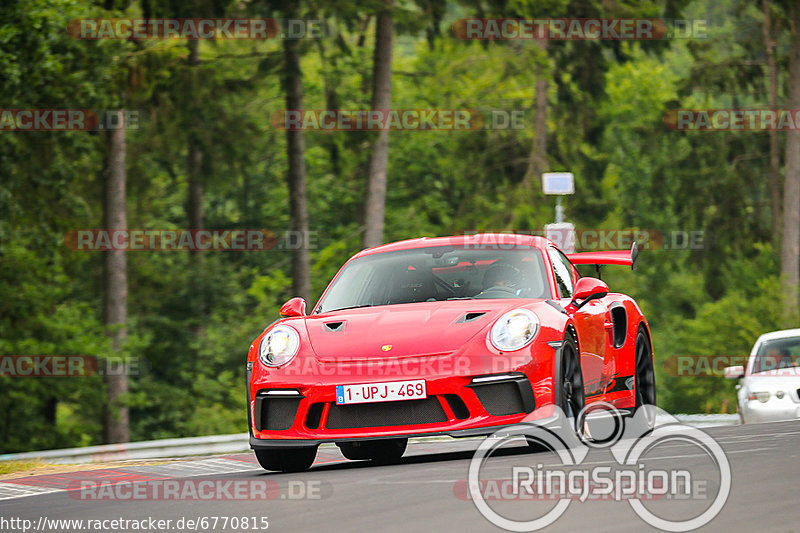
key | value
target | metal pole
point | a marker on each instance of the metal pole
(559, 210)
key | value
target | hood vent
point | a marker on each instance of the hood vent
(469, 317)
(334, 326)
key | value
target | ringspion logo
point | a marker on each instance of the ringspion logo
(634, 474)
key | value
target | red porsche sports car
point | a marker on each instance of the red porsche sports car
(454, 336)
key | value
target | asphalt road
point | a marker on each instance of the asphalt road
(424, 492)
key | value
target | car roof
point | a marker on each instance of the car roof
(782, 334)
(771, 336)
(500, 241)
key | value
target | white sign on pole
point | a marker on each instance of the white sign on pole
(558, 183)
(562, 234)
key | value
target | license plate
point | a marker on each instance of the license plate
(381, 392)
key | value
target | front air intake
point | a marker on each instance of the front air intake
(401, 413)
(276, 410)
(505, 395)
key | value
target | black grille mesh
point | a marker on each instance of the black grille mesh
(406, 412)
(500, 398)
(278, 413)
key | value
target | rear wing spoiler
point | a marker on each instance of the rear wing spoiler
(612, 257)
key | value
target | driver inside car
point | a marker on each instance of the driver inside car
(501, 281)
(777, 358)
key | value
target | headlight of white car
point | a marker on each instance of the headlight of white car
(279, 346)
(514, 330)
(762, 396)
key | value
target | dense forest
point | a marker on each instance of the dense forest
(201, 148)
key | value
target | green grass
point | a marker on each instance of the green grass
(8, 467)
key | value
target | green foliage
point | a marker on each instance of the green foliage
(726, 327)
(193, 318)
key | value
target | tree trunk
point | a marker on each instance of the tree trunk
(375, 204)
(537, 162)
(296, 152)
(194, 163)
(774, 177)
(194, 200)
(362, 39)
(194, 188)
(116, 286)
(790, 253)
(331, 82)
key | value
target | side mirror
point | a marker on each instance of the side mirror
(734, 372)
(588, 289)
(294, 307)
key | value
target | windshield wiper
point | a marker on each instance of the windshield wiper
(350, 307)
(460, 298)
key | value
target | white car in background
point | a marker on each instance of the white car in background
(769, 385)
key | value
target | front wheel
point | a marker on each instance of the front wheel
(644, 381)
(569, 392)
(286, 460)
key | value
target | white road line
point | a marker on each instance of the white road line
(203, 467)
(10, 491)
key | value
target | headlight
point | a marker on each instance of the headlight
(762, 397)
(514, 330)
(279, 346)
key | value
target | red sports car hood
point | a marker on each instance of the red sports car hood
(390, 331)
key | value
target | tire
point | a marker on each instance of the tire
(286, 460)
(645, 379)
(569, 395)
(644, 376)
(383, 451)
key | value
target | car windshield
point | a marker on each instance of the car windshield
(436, 274)
(778, 353)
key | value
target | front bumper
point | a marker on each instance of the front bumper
(458, 406)
(472, 391)
(310, 443)
(775, 410)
